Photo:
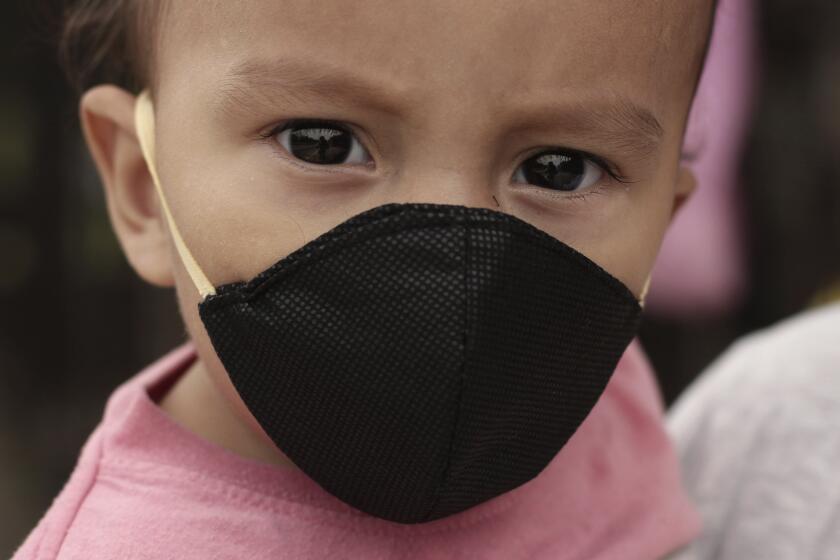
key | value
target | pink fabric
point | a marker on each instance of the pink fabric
(145, 488)
(701, 269)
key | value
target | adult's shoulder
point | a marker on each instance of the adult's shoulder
(793, 361)
(758, 436)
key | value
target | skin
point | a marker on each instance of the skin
(459, 95)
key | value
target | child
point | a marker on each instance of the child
(409, 241)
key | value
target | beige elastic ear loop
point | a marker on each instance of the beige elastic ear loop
(144, 120)
(645, 291)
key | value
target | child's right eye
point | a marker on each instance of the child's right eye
(321, 143)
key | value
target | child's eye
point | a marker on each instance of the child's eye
(560, 170)
(321, 143)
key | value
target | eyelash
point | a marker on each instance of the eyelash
(606, 166)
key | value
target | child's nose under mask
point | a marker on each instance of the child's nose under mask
(417, 359)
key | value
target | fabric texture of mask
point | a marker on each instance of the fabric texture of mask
(419, 359)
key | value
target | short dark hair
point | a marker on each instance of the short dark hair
(107, 41)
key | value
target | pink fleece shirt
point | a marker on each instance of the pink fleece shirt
(146, 488)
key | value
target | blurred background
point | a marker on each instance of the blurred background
(759, 241)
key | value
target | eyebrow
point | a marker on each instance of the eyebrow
(266, 81)
(611, 121)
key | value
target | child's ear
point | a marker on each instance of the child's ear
(686, 183)
(107, 116)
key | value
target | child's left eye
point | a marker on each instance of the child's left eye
(560, 170)
(321, 143)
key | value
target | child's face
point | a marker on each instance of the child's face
(445, 100)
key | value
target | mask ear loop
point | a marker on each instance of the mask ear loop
(645, 290)
(144, 121)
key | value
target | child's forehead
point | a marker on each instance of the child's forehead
(483, 48)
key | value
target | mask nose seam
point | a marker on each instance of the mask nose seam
(463, 218)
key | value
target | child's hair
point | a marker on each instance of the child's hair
(113, 41)
(108, 41)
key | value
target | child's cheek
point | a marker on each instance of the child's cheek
(188, 299)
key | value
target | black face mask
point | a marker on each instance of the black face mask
(419, 359)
